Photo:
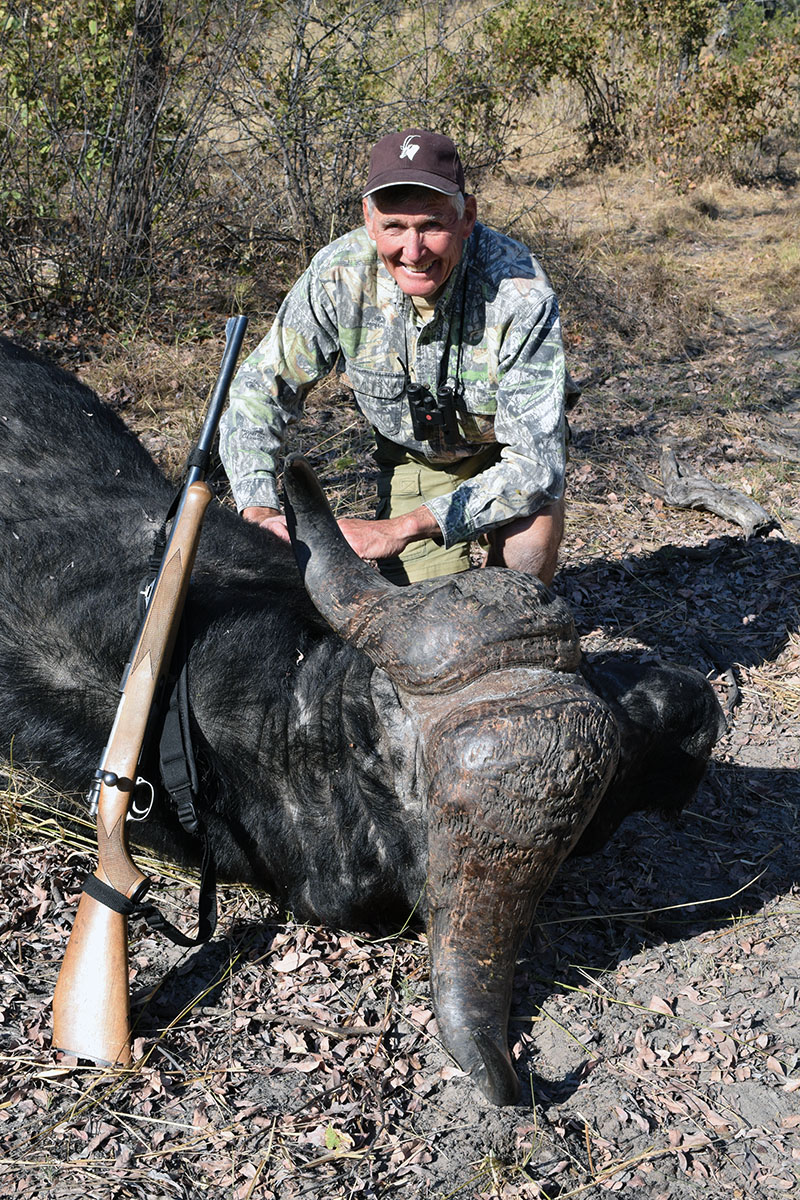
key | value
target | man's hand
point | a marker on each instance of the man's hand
(385, 539)
(369, 539)
(271, 519)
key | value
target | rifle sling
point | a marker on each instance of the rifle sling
(207, 906)
(176, 754)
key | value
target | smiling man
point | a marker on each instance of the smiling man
(450, 338)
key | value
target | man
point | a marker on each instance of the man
(450, 338)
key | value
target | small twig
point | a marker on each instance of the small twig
(613, 1169)
(647, 912)
(334, 1031)
(592, 1170)
(586, 1049)
(334, 1156)
(263, 1162)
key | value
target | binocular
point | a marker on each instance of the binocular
(431, 412)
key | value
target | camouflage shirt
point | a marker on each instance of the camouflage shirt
(494, 332)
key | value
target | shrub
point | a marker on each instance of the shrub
(100, 113)
(741, 113)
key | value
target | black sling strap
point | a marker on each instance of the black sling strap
(207, 908)
(176, 755)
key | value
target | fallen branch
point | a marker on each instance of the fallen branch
(778, 450)
(694, 491)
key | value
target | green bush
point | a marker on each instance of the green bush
(741, 113)
(100, 112)
(538, 41)
(697, 84)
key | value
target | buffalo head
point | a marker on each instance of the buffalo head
(518, 753)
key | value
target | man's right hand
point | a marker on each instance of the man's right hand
(271, 519)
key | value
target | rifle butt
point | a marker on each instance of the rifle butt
(91, 1005)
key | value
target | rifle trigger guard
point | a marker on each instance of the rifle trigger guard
(141, 807)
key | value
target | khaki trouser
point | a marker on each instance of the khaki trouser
(404, 482)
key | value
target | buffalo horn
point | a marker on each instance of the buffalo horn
(431, 637)
(514, 779)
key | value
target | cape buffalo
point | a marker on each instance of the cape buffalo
(362, 749)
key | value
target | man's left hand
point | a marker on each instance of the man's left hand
(385, 539)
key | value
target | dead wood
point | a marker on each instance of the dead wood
(695, 491)
(778, 450)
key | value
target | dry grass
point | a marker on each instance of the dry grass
(777, 684)
(664, 268)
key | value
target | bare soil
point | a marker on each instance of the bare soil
(655, 1021)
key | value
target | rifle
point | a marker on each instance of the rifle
(91, 1006)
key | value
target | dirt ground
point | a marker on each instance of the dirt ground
(655, 1020)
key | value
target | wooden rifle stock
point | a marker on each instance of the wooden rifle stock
(91, 1007)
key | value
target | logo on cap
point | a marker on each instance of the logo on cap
(409, 148)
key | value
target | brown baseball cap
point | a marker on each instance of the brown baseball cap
(415, 157)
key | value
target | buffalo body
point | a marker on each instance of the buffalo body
(441, 746)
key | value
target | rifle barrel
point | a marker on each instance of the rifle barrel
(234, 334)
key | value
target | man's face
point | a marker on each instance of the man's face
(419, 237)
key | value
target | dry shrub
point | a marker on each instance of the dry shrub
(688, 214)
(740, 116)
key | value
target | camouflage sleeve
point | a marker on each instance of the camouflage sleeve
(530, 427)
(267, 393)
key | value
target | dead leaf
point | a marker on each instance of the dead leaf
(290, 962)
(694, 1141)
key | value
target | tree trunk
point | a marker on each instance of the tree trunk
(137, 169)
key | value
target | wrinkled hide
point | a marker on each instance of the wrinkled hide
(440, 745)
